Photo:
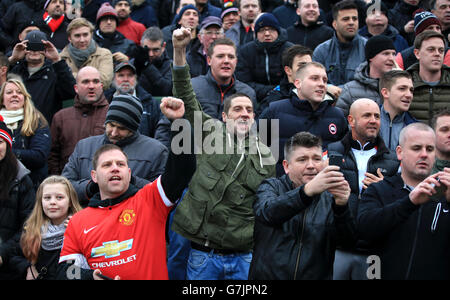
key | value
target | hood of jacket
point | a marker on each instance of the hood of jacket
(272, 47)
(90, 106)
(362, 75)
(97, 202)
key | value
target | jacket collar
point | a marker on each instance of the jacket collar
(348, 143)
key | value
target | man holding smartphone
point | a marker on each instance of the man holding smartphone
(409, 227)
(46, 76)
(365, 160)
(300, 216)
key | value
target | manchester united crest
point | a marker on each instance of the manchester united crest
(127, 217)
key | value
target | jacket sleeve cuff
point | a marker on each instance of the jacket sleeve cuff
(307, 200)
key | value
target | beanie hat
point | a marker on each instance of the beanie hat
(228, 6)
(106, 10)
(377, 44)
(423, 19)
(126, 110)
(5, 133)
(267, 19)
(48, 2)
(114, 2)
(182, 11)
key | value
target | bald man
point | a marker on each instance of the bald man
(86, 118)
(366, 160)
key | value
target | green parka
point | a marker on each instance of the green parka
(217, 210)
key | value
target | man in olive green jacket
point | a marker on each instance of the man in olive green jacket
(430, 76)
(216, 214)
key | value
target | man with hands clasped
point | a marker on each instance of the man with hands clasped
(300, 216)
(406, 217)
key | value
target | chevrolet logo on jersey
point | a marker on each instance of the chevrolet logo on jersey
(112, 248)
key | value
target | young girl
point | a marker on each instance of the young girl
(41, 241)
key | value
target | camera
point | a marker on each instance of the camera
(35, 47)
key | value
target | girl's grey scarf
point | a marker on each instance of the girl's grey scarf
(52, 236)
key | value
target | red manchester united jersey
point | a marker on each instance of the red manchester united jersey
(126, 239)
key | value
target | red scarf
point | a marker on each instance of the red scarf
(52, 23)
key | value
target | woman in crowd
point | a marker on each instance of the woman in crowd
(30, 130)
(41, 242)
(16, 202)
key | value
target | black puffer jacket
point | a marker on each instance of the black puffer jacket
(384, 159)
(13, 213)
(295, 235)
(260, 65)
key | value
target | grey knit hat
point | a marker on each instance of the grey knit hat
(125, 110)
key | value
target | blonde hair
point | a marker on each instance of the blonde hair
(32, 117)
(77, 23)
(31, 238)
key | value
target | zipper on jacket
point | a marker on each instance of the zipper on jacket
(301, 245)
(430, 105)
(411, 258)
(267, 67)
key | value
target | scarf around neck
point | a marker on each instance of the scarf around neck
(52, 236)
(12, 117)
(53, 23)
(80, 56)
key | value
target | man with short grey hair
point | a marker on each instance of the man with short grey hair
(153, 60)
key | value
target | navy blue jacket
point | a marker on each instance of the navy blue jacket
(297, 115)
(260, 65)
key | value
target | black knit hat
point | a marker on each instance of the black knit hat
(377, 44)
(125, 110)
(5, 133)
(269, 20)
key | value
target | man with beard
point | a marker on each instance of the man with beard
(365, 160)
(156, 75)
(405, 217)
(56, 23)
(344, 52)
(84, 119)
(132, 30)
(153, 123)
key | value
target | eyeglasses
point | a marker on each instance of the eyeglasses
(209, 32)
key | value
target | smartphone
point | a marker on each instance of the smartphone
(336, 160)
(440, 190)
(35, 47)
(104, 277)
